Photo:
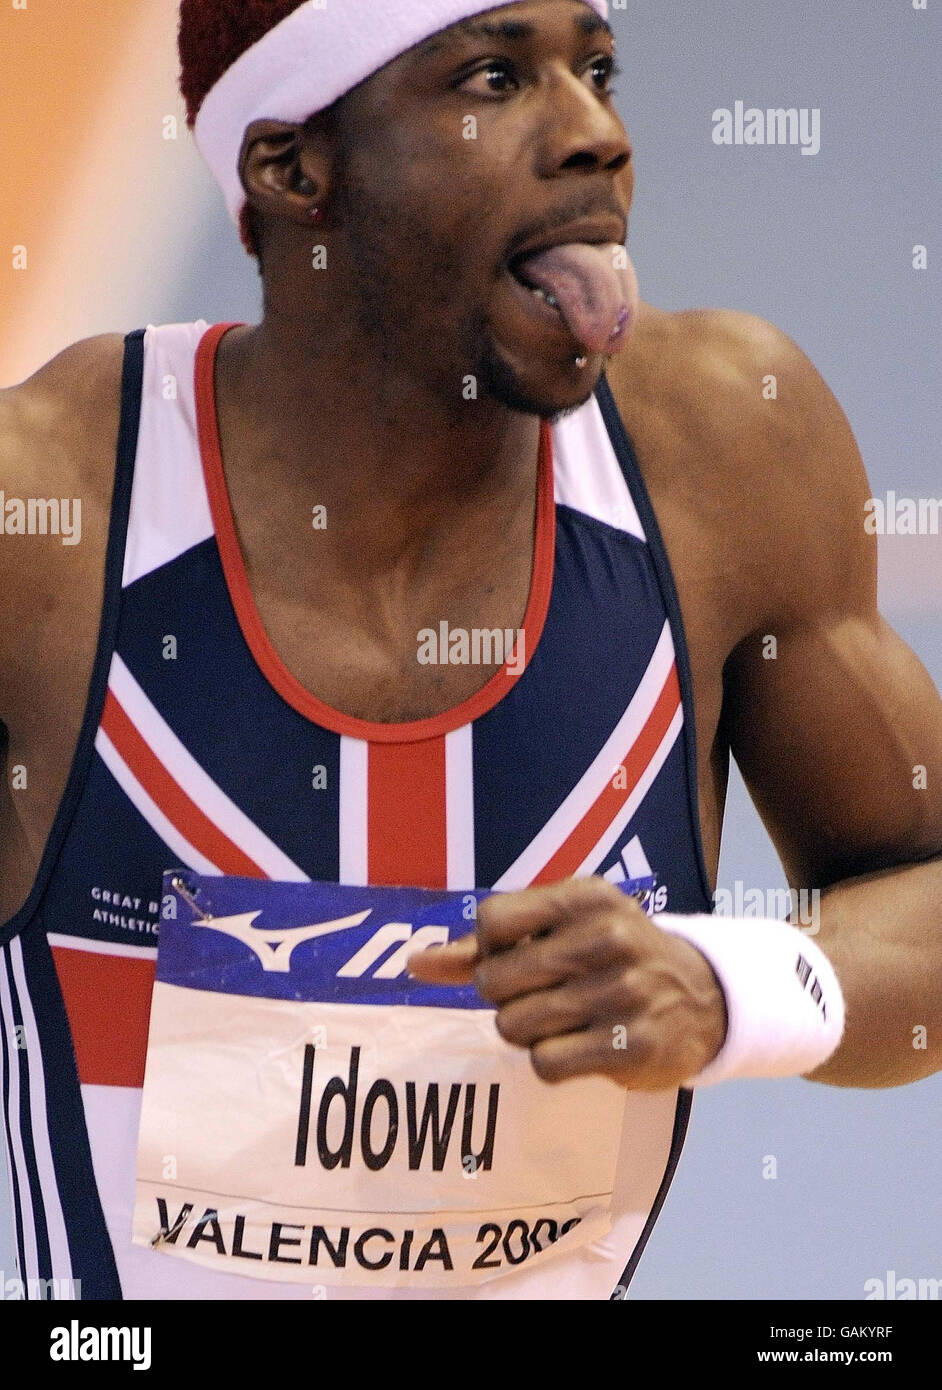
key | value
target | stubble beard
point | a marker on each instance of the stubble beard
(383, 302)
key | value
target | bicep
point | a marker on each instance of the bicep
(837, 729)
(833, 720)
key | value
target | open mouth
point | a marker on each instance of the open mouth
(583, 289)
(517, 268)
(540, 305)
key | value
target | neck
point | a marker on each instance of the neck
(398, 466)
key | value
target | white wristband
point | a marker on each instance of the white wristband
(783, 999)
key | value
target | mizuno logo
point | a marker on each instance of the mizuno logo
(274, 948)
(379, 943)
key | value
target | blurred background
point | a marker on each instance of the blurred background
(122, 226)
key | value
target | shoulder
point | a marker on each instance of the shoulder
(716, 367)
(734, 415)
(70, 407)
(59, 428)
(58, 440)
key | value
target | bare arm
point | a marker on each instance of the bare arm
(829, 714)
(58, 433)
(837, 728)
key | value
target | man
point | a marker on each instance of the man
(438, 201)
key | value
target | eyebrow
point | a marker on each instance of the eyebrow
(508, 30)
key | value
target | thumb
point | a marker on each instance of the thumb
(446, 965)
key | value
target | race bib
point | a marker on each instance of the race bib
(311, 1114)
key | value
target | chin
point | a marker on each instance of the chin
(551, 393)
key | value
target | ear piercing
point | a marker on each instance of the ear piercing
(580, 361)
(308, 186)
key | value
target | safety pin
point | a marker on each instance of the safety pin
(163, 1235)
(184, 892)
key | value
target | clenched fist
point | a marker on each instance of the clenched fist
(581, 977)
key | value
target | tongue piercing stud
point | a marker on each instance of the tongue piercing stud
(624, 314)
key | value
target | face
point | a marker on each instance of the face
(495, 139)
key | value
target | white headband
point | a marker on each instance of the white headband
(310, 59)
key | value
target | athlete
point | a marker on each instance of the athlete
(455, 418)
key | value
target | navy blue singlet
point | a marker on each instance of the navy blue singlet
(199, 749)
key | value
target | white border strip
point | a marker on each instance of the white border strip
(100, 948)
(15, 1150)
(60, 1256)
(592, 860)
(195, 781)
(586, 473)
(601, 770)
(179, 846)
(354, 811)
(459, 808)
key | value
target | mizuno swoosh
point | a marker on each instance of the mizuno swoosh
(270, 946)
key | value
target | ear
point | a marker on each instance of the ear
(279, 164)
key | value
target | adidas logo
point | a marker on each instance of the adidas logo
(633, 864)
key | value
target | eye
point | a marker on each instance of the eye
(603, 71)
(493, 78)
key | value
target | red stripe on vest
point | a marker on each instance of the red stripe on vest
(406, 814)
(170, 797)
(107, 1000)
(586, 835)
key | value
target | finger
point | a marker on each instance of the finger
(598, 1052)
(453, 964)
(593, 944)
(503, 919)
(573, 1007)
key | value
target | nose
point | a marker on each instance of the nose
(581, 132)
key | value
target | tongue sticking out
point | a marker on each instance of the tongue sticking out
(597, 295)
